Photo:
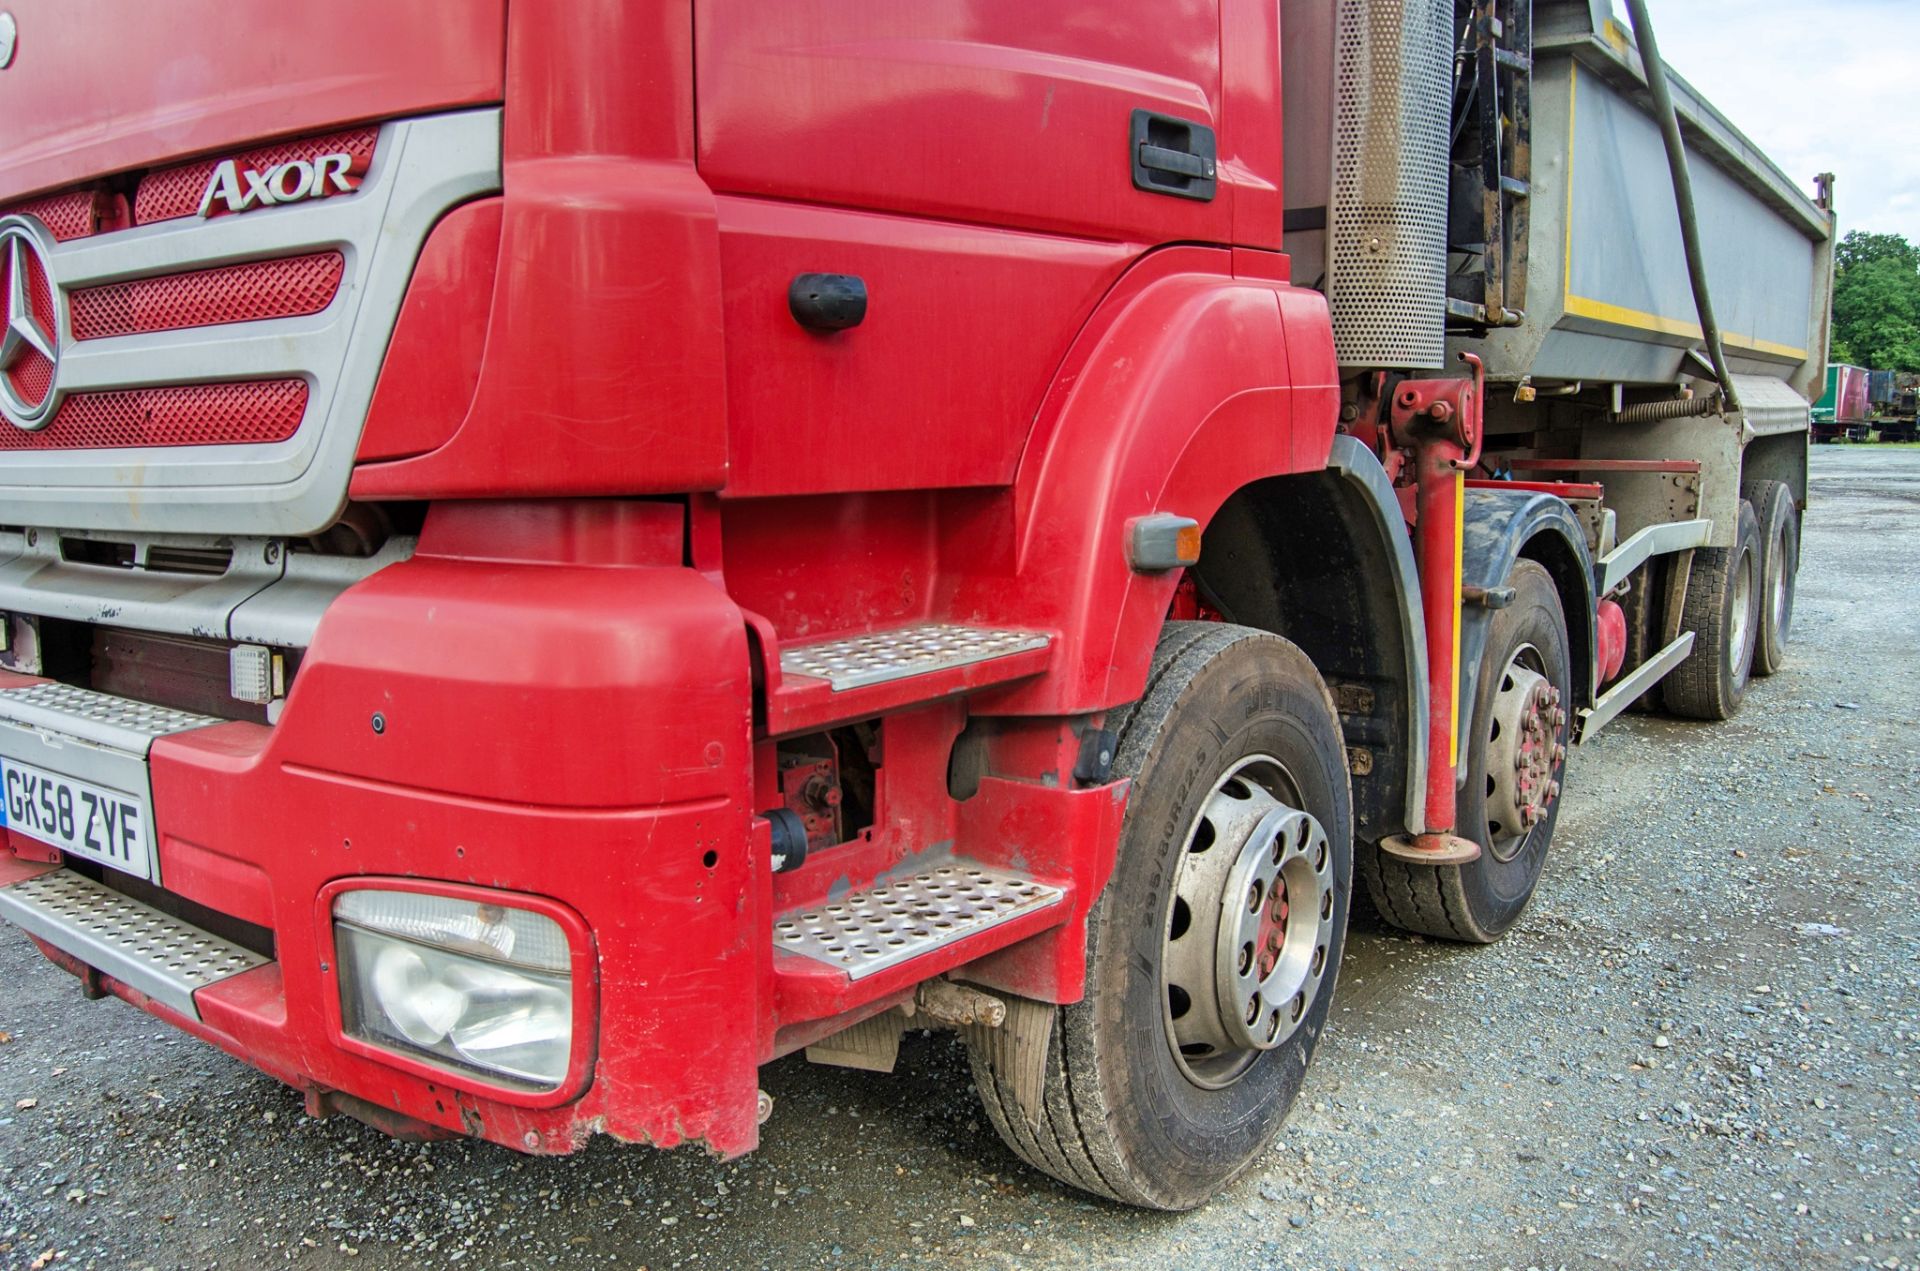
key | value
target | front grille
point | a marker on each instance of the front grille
(201, 414)
(69, 215)
(171, 193)
(207, 359)
(247, 413)
(32, 376)
(286, 288)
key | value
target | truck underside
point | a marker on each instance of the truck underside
(566, 555)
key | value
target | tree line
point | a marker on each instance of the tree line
(1876, 302)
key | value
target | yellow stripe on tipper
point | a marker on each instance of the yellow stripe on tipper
(1634, 319)
(1566, 251)
(1459, 563)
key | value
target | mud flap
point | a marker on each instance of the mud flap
(1016, 1051)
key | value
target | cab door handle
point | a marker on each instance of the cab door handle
(1173, 156)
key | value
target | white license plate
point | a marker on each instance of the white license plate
(87, 820)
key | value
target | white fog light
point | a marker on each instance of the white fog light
(481, 986)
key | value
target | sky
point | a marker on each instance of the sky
(1819, 85)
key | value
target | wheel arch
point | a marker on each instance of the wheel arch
(1503, 528)
(1323, 559)
(1188, 382)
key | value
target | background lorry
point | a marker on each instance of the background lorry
(1894, 399)
(1845, 409)
(556, 554)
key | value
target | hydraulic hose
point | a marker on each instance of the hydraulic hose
(1682, 193)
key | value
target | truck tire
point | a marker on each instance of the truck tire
(1520, 712)
(1213, 951)
(1779, 521)
(1722, 608)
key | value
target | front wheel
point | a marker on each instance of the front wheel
(1213, 952)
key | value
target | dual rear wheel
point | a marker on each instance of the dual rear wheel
(1739, 604)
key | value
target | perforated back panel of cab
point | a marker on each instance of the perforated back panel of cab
(1393, 92)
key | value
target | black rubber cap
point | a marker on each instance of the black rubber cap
(789, 839)
(828, 302)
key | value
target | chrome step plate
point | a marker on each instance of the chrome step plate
(897, 921)
(881, 656)
(101, 718)
(148, 950)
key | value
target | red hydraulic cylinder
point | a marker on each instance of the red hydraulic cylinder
(1439, 421)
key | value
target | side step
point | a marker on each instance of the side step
(834, 681)
(895, 922)
(140, 946)
(116, 723)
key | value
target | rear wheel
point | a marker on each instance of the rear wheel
(1516, 755)
(1723, 610)
(1212, 954)
(1779, 521)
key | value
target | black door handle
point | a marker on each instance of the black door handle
(1173, 156)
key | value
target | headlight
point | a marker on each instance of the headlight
(481, 986)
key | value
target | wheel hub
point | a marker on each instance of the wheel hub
(1252, 919)
(1742, 613)
(1524, 754)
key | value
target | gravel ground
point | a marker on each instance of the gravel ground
(1701, 1046)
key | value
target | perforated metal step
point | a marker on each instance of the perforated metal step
(119, 722)
(893, 922)
(154, 952)
(881, 656)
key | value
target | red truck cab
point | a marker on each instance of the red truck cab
(554, 554)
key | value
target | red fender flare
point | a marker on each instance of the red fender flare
(1186, 384)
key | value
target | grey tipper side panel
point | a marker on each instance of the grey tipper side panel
(1608, 296)
(422, 168)
(1626, 234)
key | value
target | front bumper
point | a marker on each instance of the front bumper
(578, 733)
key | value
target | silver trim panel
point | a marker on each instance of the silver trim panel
(101, 718)
(422, 169)
(136, 944)
(93, 737)
(268, 595)
(1655, 540)
(1627, 690)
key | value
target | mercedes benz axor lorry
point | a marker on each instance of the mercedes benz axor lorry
(554, 554)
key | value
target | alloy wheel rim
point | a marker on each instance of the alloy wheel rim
(1782, 588)
(1743, 612)
(1249, 931)
(1525, 749)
